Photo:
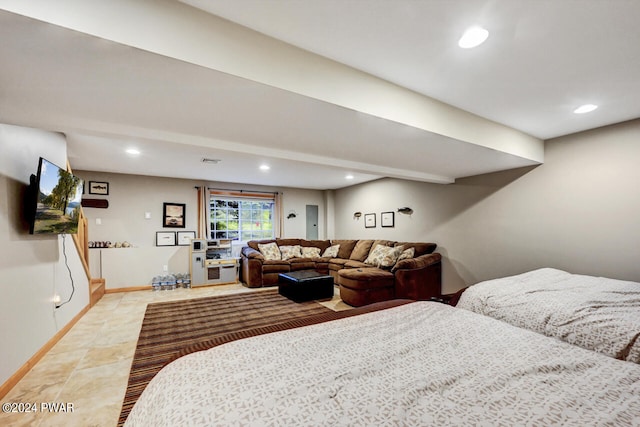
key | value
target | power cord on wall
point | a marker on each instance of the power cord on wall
(66, 263)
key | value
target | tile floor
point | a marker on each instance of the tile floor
(89, 366)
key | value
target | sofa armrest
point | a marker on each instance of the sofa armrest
(251, 267)
(249, 252)
(417, 262)
(419, 278)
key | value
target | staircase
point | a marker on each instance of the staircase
(96, 290)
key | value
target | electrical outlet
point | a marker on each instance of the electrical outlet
(165, 268)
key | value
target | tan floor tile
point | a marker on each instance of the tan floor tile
(37, 387)
(30, 419)
(97, 382)
(100, 415)
(98, 356)
(89, 367)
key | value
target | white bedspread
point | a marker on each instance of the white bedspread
(593, 312)
(420, 364)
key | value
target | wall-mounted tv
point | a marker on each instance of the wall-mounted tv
(57, 195)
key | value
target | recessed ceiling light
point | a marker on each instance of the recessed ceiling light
(264, 167)
(133, 151)
(586, 108)
(349, 176)
(472, 37)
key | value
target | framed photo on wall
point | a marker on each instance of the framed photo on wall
(165, 238)
(173, 215)
(387, 219)
(96, 187)
(184, 237)
(370, 220)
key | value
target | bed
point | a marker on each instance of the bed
(421, 363)
(596, 313)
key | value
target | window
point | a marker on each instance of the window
(241, 218)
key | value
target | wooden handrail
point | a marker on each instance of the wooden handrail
(81, 240)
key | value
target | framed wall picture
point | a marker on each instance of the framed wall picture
(184, 237)
(370, 220)
(99, 187)
(386, 219)
(173, 215)
(165, 238)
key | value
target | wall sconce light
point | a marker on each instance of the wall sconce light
(406, 210)
(357, 215)
(292, 214)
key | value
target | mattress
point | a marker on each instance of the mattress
(596, 313)
(422, 363)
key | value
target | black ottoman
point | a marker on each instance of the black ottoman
(305, 285)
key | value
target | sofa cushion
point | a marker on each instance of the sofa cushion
(270, 251)
(275, 266)
(361, 250)
(331, 251)
(337, 263)
(346, 247)
(360, 297)
(288, 252)
(384, 256)
(321, 244)
(366, 278)
(310, 252)
(297, 264)
(356, 264)
(288, 242)
(420, 248)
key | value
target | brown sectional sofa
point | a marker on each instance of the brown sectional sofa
(360, 284)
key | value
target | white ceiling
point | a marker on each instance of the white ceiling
(542, 59)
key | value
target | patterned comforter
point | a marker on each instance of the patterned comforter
(422, 364)
(592, 312)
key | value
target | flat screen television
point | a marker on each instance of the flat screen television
(56, 196)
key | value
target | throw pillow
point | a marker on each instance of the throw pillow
(331, 251)
(270, 251)
(310, 252)
(407, 254)
(361, 250)
(383, 256)
(288, 252)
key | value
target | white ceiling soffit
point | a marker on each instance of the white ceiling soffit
(543, 58)
(184, 85)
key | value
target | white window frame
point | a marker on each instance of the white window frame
(250, 211)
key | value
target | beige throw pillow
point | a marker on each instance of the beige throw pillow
(331, 251)
(288, 252)
(310, 252)
(383, 256)
(407, 254)
(270, 251)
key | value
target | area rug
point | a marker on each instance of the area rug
(171, 327)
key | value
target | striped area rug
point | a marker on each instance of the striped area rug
(171, 327)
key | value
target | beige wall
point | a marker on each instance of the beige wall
(131, 196)
(32, 267)
(578, 211)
